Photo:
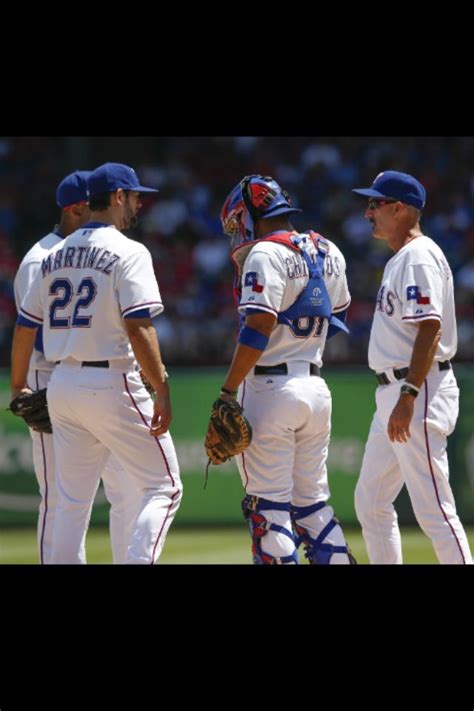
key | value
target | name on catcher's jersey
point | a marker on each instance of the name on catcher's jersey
(417, 284)
(273, 277)
(84, 288)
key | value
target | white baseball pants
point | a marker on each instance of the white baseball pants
(421, 464)
(95, 412)
(286, 461)
(122, 493)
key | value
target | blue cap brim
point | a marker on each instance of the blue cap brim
(368, 192)
(141, 189)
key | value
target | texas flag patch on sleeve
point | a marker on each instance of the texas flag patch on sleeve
(251, 279)
(414, 292)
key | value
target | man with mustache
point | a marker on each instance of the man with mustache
(412, 342)
(95, 296)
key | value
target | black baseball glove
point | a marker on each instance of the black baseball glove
(33, 407)
(229, 432)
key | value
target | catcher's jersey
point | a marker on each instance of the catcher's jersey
(273, 276)
(417, 284)
(84, 288)
(24, 277)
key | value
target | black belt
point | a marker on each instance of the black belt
(400, 373)
(281, 369)
(91, 363)
(95, 363)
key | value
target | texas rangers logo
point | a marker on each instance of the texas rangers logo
(414, 292)
(251, 279)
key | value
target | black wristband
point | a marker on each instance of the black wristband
(407, 389)
(228, 392)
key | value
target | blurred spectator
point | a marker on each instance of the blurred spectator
(182, 228)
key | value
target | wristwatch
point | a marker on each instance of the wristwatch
(408, 389)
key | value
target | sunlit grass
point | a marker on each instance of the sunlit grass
(203, 546)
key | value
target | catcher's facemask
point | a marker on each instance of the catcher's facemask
(254, 198)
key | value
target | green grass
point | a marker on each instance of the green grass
(203, 546)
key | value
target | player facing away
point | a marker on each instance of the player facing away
(289, 286)
(412, 342)
(95, 296)
(72, 199)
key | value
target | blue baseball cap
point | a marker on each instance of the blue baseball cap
(111, 176)
(73, 189)
(401, 186)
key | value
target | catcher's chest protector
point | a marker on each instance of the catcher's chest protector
(314, 300)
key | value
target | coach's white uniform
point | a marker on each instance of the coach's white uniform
(290, 414)
(417, 284)
(86, 285)
(123, 498)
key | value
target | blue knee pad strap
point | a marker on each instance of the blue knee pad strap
(257, 503)
(298, 512)
(323, 550)
(259, 527)
(316, 551)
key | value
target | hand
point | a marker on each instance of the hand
(399, 421)
(161, 412)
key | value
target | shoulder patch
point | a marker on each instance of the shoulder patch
(251, 279)
(414, 292)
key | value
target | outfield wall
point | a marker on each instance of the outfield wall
(192, 395)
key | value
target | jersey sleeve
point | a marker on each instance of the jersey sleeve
(23, 280)
(263, 284)
(137, 286)
(421, 293)
(31, 309)
(336, 280)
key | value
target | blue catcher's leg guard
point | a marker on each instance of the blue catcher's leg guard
(259, 526)
(318, 550)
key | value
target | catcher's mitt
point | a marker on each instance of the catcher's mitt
(33, 407)
(229, 432)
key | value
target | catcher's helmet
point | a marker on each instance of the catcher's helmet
(254, 198)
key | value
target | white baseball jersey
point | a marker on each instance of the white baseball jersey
(38, 377)
(24, 277)
(86, 285)
(417, 284)
(290, 413)
(273, 277)
(84, 288)
(123, 498)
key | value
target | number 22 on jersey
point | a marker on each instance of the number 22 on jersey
(86, 293)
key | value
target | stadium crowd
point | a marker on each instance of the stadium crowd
(181, 226)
